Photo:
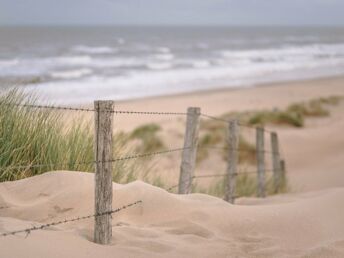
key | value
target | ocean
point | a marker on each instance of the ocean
(74, 65)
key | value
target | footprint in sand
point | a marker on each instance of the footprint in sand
(61, 210)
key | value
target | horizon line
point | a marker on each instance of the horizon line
(172, 25)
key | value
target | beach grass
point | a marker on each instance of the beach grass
(31, 136)
(148, 139)
(34, 141)
(293, 115)
(246, 186)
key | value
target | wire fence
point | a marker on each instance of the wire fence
(127, 112)
(134, 156)
(131, 156)
(27, 231)
(241, 173)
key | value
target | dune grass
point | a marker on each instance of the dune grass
(149, 140)
(294, 115)
(292, 118)
(246, 186)
(40, 136)
(30, 136)
(214, 134)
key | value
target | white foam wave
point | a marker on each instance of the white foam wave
(94, 50)
(68, 60)
(39, 66)
(287, 52)
(149, 83)
(130, 75)
(165, 57)
(8, 63)
(163, 49)
(71, 74)
(159, 66)
(201, 64)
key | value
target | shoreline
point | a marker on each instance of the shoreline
(234, 88)
(220, 101)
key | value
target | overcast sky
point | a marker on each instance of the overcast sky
(194, 12)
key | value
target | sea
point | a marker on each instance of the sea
(73, 65)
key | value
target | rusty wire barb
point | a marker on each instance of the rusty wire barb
(41, 227)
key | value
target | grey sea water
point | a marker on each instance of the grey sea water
(80, 64)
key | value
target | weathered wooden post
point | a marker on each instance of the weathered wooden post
(189, 153)
(260, 161)
(282, 165)
(233, 143)
(103, 170)
(276, 164)
(283, 173)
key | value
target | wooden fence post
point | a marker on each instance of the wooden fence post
(260, 161)
(283, 171)
(103, 170)
(276, 164)
(233, 143)
(189, 153)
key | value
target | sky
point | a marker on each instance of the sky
(172, 12)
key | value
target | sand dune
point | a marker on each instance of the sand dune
(308, 222)
(168, 225)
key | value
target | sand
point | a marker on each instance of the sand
(168, 225)
(307, 222)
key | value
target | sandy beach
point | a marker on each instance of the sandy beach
(306, 222)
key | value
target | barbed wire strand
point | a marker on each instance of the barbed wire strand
(29, 230)
(233, 119)
(240, 173)
(128, 112)
(48, 107)
(238, 150)
(136, 156)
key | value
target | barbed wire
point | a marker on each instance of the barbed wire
(47, 107)
(243, 172)
(206, 176)
(238, 150)
(129, 112)
(195, 177)
(135, 156)
(234, 119)
(240, 173)
(41, 227)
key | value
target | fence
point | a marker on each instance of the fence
(103, 148)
